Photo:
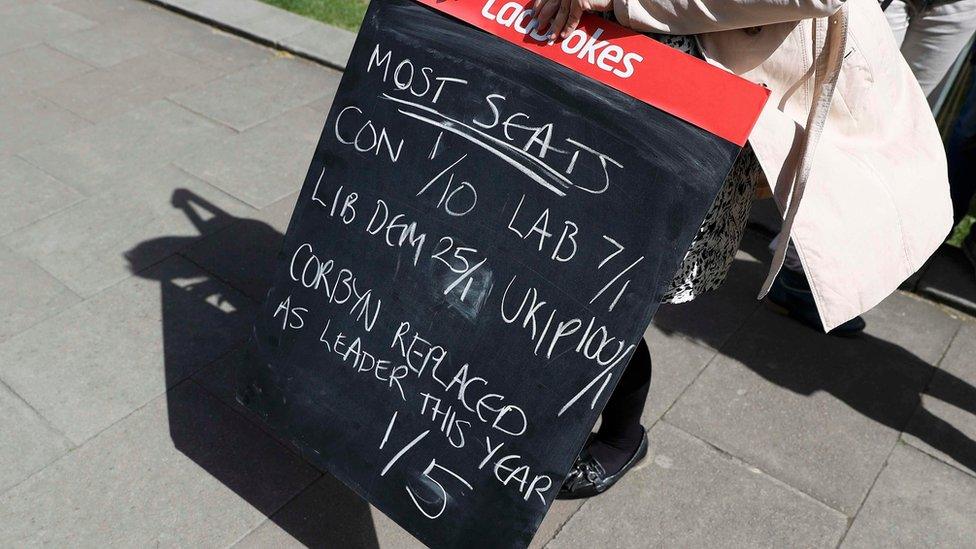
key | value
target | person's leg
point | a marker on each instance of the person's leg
(621, 432)
(621, 442)
(962, 166)
(962, 155)
(898, 15)
(790, 294)
(935, 37)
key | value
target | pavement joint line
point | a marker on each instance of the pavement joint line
(239, 201)
(91, 66)
(260, 38)
(739, 462)
(920, 406)
(268, 517)
(90, 439)
(945, 351)
(203, 115)
(81, 298)
(857, 512)
(84, 196)
(867, 493)
(565, 523)
(966, 472)
(182, 255)
(716, 352)
(860, 506)
(937, 458)
(76, 189)
(38, 413)
(901, 433)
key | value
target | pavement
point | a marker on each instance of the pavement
(149, 164)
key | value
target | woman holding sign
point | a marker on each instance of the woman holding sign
(847, 132)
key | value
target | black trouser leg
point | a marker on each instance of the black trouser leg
(962, 158)
(620, 432)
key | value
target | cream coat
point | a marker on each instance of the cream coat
(847, 132)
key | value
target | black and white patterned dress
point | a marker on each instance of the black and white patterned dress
(707, 261)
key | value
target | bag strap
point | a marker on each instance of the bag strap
(829, 63)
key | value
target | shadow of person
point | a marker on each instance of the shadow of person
(202, 317)
(877, 378)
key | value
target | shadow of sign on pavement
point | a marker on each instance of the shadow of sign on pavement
(201, 312)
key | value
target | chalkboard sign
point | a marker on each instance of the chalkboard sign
(487, 226)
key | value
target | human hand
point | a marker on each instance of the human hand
(561, 17)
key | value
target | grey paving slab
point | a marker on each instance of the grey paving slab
(323, 105)
(263, 164)
(676, 362)
(182, 471)
(106, 11)
(27, 194)
(328, 515)
(136, 21)
(818, 412)
(125, 147)
(917, 502)
(100, 46)
(29, 121)
(36, 22)
(243, 254)
(124, 229)
(950, 278)
(105, 93)
(250, 96)
(559, 514)
(27, 442)
(686, 494)
(713, 317)
(162, 26)
(36, 67)
(156, 29)
(914, 324)
(219, 50)
(28, 294)
(10, 4)
(95, 363)
(945, 424)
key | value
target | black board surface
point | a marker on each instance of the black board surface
(467, 270)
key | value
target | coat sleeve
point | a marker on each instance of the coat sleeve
(702, 16)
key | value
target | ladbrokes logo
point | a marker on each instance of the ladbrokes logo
(600, 53)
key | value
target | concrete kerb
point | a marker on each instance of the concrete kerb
(335, 43)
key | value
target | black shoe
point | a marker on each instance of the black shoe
(588, 478)
(791, 295)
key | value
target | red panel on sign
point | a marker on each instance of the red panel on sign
(679, 84)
